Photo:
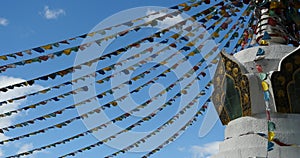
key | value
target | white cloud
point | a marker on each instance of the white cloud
(181, 148)
(1, 153)
(3, 21)
(206, 150)
(16, 92)
(167, 22)
(25, 147)
(52, 13)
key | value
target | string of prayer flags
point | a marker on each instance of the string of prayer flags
(271, 142)
(265, 87)
(243, 39)
(230, 33)
(271, 135)
(44, 102)
(235, 34)
(216, 34)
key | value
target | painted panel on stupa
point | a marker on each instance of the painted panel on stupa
(286, 84)
(231, 96)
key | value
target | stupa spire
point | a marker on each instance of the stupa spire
(277, 22)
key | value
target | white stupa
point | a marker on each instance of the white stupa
(257, 92)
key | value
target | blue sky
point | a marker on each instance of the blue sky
(28, 24)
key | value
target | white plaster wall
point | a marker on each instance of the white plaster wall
(273, 55)
(252, 145)
(256, 94)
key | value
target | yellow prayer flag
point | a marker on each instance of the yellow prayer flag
(47, 116)
(137, 55)
(190, 34)
(18, 125)
(105, 140)
(184, 91)
(136, 78)
(215, 61)
(191, 54)
(271, 136)
(226, 36)
(91, 34)
(217, 23)
(190, 44)
(114, 103)
(187, 8)
(58, 125)
(32, 106)
(44, 91)
(130, 68)
(215, 34)
(100, 81)
(163, 62)
(209, 16)
(264, 42)
(183, 5)
(175, 36)
(195, 5)
(107, 69)
(164, 91)
(240, 41)
(67, 51)
(90, 63)
(265, 85)
(3, 57)
(47, 47)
